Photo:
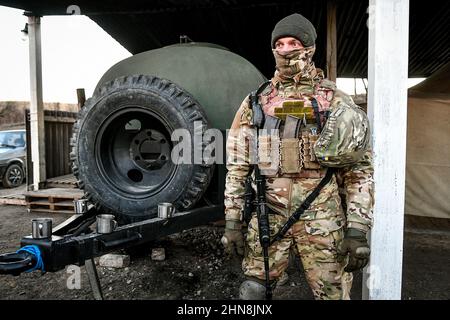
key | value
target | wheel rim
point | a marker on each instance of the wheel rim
(132, 150)
(15, 176)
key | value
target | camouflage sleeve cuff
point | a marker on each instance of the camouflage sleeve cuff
(233, 225)
(356, 225)
(233, 214)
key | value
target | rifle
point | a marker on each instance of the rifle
(267, 122)
(249, 200)
(263, 225)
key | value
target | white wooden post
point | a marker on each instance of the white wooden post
(36, 102)
(387, 109)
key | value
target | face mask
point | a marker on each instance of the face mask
(296, 64)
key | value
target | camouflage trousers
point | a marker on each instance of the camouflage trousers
(324, 274)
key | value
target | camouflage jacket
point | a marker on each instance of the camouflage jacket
(284, 192)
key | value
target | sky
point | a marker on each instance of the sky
(76, 52)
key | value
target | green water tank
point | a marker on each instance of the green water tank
(216, 77)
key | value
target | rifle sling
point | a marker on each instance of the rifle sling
(258, 113)
(316, 113)
(304, 206)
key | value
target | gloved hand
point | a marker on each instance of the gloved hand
(233, 239)
(354, 245)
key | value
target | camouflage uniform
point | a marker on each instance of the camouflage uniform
(316, 235)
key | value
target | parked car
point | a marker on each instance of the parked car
(13, 151)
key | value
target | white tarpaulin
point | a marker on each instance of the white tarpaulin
(428, 147)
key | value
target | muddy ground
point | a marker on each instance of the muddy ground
(195, 268)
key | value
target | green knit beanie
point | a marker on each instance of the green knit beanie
(296, 26)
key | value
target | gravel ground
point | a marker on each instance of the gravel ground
(196, 268)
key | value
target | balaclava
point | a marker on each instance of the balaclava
(296, 65)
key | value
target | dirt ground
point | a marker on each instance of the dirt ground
(7, 192)
(195, 268)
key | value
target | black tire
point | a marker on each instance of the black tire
(14, 176)
(123, 118)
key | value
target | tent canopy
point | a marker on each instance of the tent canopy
(428, 147)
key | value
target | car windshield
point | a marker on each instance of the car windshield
(11, 139)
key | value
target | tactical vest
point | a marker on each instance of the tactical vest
(290, 123)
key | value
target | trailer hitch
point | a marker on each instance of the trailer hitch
(16, 263)
(119, 243)
(72, 242)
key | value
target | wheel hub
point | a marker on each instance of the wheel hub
(15, 176)
(150, 150)
(133, 152)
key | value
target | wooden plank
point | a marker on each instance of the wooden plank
(51, 207)
(66, 181)
(59, 119)
(48, 203)
(36, 205)
(13, 200)
(50, 142)
(331, 41)
(29, 199)
(14, 196)
(45, 206)
(81, 98)
(65, 150)
(57, 193)
(66, 185)
(387, 109)
(50, 211)
(59, 145)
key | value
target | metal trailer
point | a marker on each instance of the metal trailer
(121, 168)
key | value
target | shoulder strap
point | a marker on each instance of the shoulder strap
(258, 113)
(304, 206)
(326, 84)
(316, 113)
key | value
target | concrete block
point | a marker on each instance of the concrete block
(158, 254)
(114, 261)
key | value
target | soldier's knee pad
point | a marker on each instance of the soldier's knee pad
(252, 290)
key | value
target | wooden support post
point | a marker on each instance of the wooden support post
(387, 110)
(331, 41)
(94, 280)
(81, 97)
(36, 102)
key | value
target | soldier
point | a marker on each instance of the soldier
(326, 130)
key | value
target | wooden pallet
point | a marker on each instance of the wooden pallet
(67, 181)
(53, 200)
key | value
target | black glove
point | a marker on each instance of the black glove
(356, 247)
(233, 239)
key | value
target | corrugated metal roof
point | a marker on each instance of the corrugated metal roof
(245, 27)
